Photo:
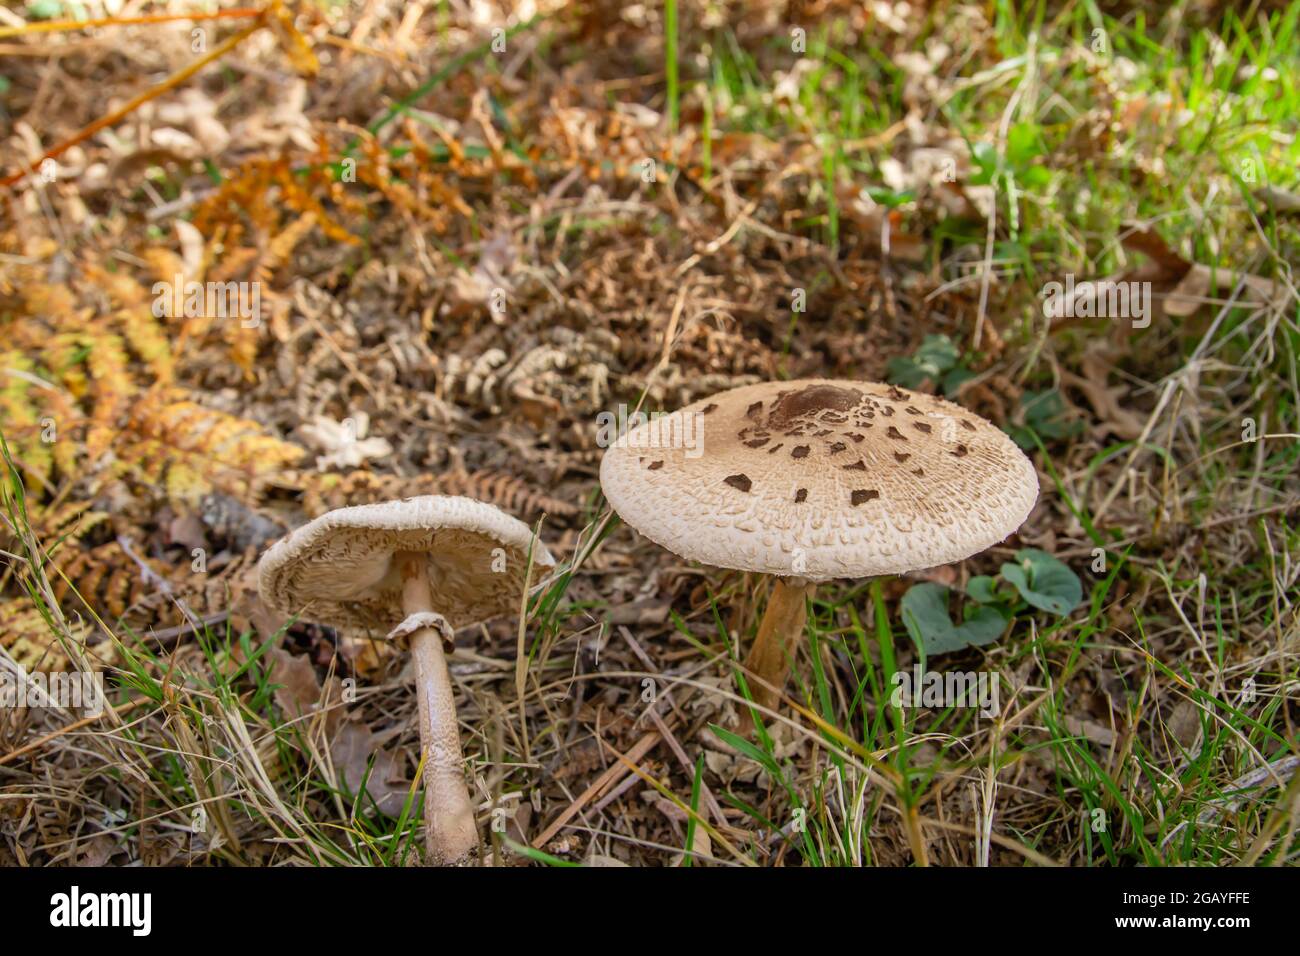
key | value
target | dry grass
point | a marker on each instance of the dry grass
(1155, 725)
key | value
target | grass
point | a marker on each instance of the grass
(1131, 733)
(1067, 221)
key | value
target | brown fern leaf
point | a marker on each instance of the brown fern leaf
(263, 190)
(106, 579)
(377, 174)
(136, 320)
(20, 419)
(28, 639)
(281, 246)
(111, 390)
(325, 492)
(507, 492)
(130, 592)
(190, 449)
(210, 594)
(148, 340)
(59, 526)
(52, 301)
(296, 47)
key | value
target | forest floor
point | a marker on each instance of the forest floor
(473, 229)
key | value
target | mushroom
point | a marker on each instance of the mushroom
(417, 569)
(817, 479)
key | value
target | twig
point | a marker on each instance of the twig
(59, 26)
(998, 838)
(75, 725)
(639, 750)
(707, 794)
(668, 794)
(151, 577)
(177, 78)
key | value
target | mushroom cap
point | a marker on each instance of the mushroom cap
(820, 479)
(339, 568)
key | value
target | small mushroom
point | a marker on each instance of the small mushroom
(839, 498)
(418, 570)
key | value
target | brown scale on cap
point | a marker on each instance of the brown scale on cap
(782, 466)
(811, 400)
(801, 412)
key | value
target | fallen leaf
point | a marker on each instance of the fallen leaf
(299, 693)
(1201, 282)
(188, 531)
(1279, 200)
(351, 745)
(1091, 730)
(344, 444)
(1106, 401)
(351, 750)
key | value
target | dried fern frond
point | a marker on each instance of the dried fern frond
(28, 639)
(325, 492)
(21, 417)
(104, 577)
(56, 526)
(112, 388)
(190, 449)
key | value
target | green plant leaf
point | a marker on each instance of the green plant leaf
(955, 379)
(1036, 177)
(44, 9)
(925, 614)
(981, 588)
(1024, 144)
(937, 352)
(890, 198)
(1045, 414)
(986, 158)
(905, 372)
(1044, 582)
(936, 355)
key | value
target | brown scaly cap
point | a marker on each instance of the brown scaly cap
(338, 569)
(821, 479)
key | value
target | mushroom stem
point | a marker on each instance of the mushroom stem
(449, 829)
(773, 649)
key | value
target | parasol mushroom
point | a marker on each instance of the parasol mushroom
(817, 479)
(417, 569)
